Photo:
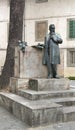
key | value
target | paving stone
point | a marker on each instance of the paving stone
(10, 122)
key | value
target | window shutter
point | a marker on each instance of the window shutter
(72, 29)
(41, 1)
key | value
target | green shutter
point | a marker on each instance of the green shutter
(40, 1)
(72, 29)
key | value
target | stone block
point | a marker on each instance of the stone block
(69, 113)
(49, 84)
(29, 64)
(16, 83)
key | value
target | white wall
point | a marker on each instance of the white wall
(4, 24)
(55, 11)
(50, 8)
(4, 20)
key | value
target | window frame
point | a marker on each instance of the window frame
(68, 20)
(69, 64)
(36, 33)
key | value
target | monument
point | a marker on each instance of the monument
(34, 101)
(51, 58)
(29, 69)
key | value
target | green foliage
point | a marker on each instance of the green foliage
(71, 78)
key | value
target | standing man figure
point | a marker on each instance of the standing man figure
(52, 52)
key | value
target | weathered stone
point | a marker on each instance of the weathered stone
(29, 64)
(34, 95)
(32, 112)
(49, 84)
(69, 113)
(16, 83)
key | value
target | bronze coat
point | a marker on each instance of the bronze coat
(51, 50)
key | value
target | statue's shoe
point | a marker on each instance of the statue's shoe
(50, 76)
(57, 76)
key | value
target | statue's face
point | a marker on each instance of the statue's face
(52, 28)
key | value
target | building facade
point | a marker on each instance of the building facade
(38, 15)
(4, 25)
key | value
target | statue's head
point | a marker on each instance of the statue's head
(52, 27)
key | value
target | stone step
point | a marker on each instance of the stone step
(66, 98)
(69, 113)
(67, 101)
(49, 84)
(16, 83)
(34, 113)
(36, 95)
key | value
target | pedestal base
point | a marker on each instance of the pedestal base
(49, 84)
(16, 83)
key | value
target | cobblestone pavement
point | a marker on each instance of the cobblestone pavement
(10, 122)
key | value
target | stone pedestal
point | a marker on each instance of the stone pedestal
(17, 83)
(37, 108)
(29, 64)
(49, 84)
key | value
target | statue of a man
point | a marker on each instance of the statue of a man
(52, 52)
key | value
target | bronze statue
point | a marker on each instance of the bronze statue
(22, 45)
(52, 52)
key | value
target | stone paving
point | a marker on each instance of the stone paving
(10, 122)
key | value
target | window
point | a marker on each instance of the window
(71, 27)
(41, 1)
(71, 57)
(41, 28)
